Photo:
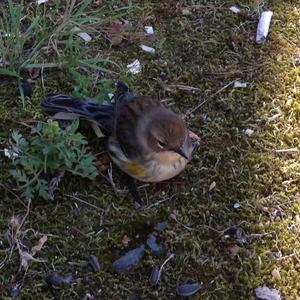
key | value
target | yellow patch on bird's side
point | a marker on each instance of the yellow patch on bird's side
(135, 169)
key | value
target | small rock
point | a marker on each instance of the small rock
(149, 30)
(234, 9)
(236, 205)
(275, 255)
(238, 84)
(83, 35)
(297, 62)
(186, 12)
(266, 293)
(277, 214)
(249, 132)
(212, 186)
(147, 49)
(238, 233)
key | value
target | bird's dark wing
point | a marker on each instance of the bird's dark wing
(101, 114)
(128, 115)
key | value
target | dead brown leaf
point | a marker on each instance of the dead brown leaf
(26, 257)
(276, 274)
(39, 245)
(234, 250)
(115, 33)
(125, 241)
(34, 73)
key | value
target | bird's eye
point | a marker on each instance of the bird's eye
(161, 144)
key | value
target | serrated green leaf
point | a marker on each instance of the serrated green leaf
(50, 149)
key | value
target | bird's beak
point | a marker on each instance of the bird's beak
(181, 152)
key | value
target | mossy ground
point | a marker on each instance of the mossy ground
(206, 49)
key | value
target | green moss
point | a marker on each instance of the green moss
(206, 49)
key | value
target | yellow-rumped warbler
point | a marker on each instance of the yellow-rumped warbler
(146, 140)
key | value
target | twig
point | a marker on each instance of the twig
(173, 216)
(183, 87)
(42, 77)
(165, 262)
(287, 151)
(85, 202)
(289, 256)
(209, 97)
(158, 203)
(221, 231)
(14, 237)
(14, 194)
(24, 218)
(111, 181)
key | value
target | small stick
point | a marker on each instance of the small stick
(158, 202)
(173, 216)
(286, 151)
(85, 202)
(209, 97)
(165, 262)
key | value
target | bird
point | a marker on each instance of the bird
(146, 139)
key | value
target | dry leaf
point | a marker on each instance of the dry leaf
(275, 274)
(53, 184)
(98, 2)
(115, 33)
(39, 245)
(34, 73)
(125, 241)
(234, 250)
(15, 222)
(26, 257)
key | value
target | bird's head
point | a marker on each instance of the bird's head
(166, 131)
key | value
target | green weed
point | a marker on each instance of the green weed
(52, 149)
(39, 41)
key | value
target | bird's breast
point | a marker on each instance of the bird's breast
(165, 165)
(152, 167)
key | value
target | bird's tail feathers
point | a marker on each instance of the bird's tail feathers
(68, 107)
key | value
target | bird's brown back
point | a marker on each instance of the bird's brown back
(128, 116)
